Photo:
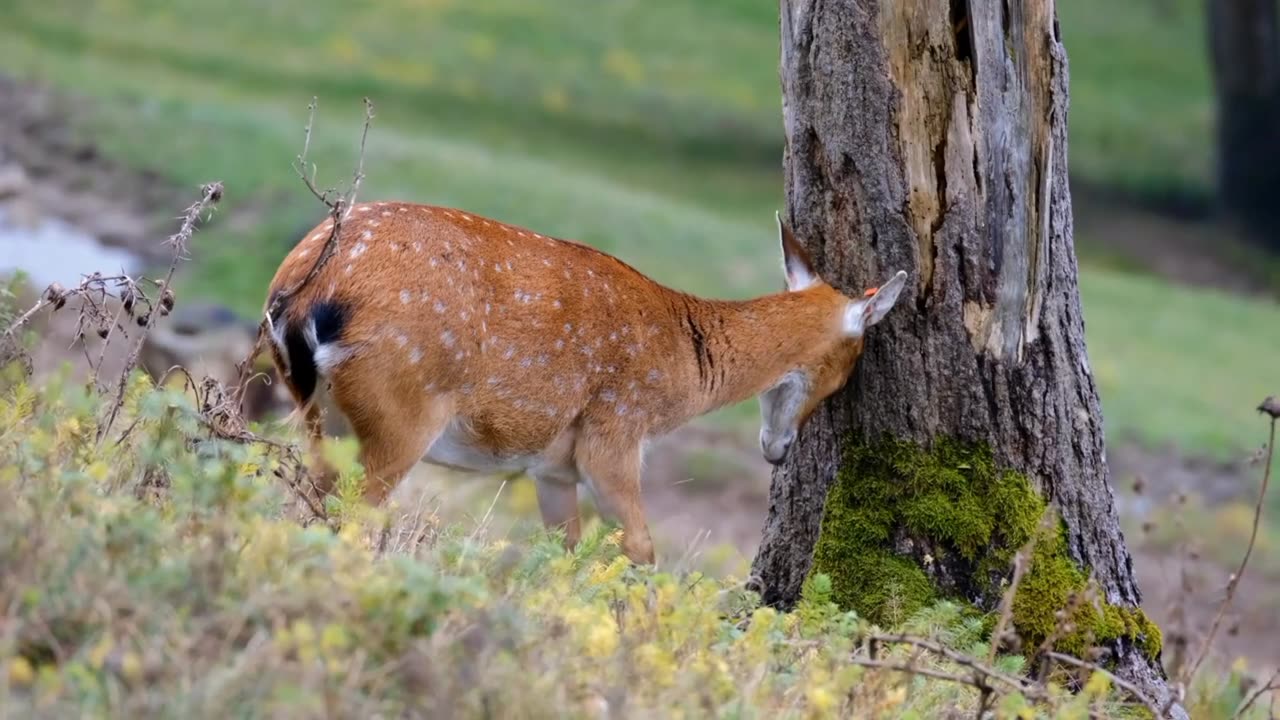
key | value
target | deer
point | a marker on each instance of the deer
(451, 338)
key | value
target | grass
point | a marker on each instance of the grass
(651, 130)
(166, 575)
(1141, 96)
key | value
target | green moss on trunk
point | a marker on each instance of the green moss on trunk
(905, 526)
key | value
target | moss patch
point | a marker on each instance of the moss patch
(905, 526)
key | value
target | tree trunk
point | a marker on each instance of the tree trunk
(932, 138)
(1244, 41)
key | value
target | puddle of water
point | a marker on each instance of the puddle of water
(56, 251)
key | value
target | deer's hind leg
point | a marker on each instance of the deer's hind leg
(558, 503)
(395, 424)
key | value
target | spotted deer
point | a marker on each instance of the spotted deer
(473, 344)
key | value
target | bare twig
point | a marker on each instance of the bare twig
(339, 209)
(210, 194)
(912, 670)
(973, 664)
(1269, 686)
(1234, 581)
(23, 319)
(1115, 680)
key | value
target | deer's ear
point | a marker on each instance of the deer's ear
(795, 261)
(862, 314)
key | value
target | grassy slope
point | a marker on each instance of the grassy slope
(648, 129)
(209, 600)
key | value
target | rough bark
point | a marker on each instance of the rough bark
(931, 137)
(1244, 40)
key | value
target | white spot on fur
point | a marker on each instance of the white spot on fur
(358, 250)
(363, 208)
(510, 353)
(386, 213)
(439, 308)
(608, 395)
(447, 338)
(405, 296)
(526, 362)
(401, 339)
(653, 376)
(556, 304)
(559, 344)
(417, 247)
(415, 355)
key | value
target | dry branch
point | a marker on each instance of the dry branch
(1271, 685)
(1233, 583)
(1125, 685)
(339, 209)
(210, 194)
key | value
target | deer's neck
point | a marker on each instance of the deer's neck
(743, 348)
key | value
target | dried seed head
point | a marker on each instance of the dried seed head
(56, 295)
(213, 190)
(1271, 406)
(166, 302)
(143, 319)
(1139, 484)
(103, 331)
(127, 299)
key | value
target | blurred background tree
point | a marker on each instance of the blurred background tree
(1244, 39)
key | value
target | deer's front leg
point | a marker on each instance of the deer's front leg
(613, 474)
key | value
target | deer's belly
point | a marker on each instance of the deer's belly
(457, 448)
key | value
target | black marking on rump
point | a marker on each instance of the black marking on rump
(329, 317)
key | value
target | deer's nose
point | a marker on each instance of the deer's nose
(775, 448)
